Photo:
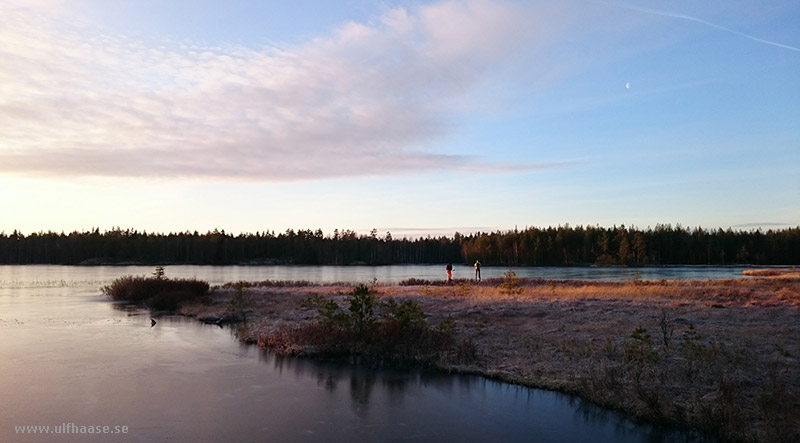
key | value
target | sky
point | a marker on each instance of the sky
(410, 117)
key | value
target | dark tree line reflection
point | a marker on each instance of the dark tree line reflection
(517, 408)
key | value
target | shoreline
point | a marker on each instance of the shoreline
(716, 355)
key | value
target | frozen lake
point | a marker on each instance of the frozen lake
(72, 360)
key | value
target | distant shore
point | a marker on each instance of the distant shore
(716, 355)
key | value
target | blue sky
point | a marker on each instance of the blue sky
(409, 117)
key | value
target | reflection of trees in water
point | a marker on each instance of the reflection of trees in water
(361, 385)
(591, 413)
(394, 386)
(588, 411)
(397, 385)
(330, 382)
(362, 381)
(625, 428)
(370, 390)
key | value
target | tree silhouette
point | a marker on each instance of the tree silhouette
(552, 246)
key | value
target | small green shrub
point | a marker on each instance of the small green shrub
(332, 315)
(313, 301)
(362, 304)
(240, 302)
(692, 346)
(511, 283)
(407, 314)
(640, 334)
(369, 331)
(159, 272)
(783, 352)
(447, 326)
(640, 348)
(358, 316)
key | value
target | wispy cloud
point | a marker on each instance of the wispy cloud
(690, 18)
(761, 225)
(367, 98)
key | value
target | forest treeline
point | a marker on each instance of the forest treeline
(553, 246)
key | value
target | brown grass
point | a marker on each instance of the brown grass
(157, 293)
(719, 355)
(771, 272)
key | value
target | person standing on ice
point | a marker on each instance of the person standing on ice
(477, 270)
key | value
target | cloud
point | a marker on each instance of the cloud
(680, 16)
(368, 98)
(761, 225)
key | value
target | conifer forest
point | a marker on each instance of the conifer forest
(552, 246)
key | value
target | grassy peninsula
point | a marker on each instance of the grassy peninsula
(716, 355)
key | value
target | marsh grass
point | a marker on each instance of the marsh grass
(158, 293)
(269, 284)
(719, 355)
(696, 358)
(772, 272)
(240, 304)
(421, 282)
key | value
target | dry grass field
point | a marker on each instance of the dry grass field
(718, 355)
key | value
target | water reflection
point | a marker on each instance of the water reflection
(478, 409)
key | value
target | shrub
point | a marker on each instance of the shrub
(511, 283)
(240, 302)
(413, 281)
(639, 348)
(159, 272)
(157, 293)
(667, 326)
(362, 303)
(406, 315)
(332, 316)
(369, 331)
(313, 301)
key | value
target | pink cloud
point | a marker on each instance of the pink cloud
(369, 98)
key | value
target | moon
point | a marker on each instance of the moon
(628, 85)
